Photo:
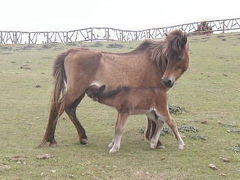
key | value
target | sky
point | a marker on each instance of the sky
(61, 15)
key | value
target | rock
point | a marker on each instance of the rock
(162, 158)
(53, 171)
(213, 166)
(4, 166)
(222, 174)
(71, 176)
(44, 156)
(224, 159)
(204, 122)
(25, 66)
(37, 86)
(18, 158)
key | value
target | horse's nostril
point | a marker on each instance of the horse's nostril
(168, 83)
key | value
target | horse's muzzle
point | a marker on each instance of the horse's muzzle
(168, 83)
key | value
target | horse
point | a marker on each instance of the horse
(152, 64)
(131, 101)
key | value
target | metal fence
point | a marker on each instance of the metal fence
(107, 34)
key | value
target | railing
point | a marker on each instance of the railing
(107, 34)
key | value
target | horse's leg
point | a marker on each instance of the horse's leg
(119, 128)
(52, 122)
(56, 111)
(71, 112)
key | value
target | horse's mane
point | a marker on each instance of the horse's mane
(161, 50)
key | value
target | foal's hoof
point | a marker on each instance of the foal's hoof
(181, 146)
(83, 141)
(111, 145)
(160, 147)
(113, 150)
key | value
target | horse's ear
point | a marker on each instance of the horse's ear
(180, 43)
(183, 41)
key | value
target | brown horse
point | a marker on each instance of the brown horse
(151, 64)
(130, 101)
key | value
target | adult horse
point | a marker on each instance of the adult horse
(151, 64)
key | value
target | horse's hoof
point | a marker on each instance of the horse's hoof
(42, 144)
(53, 144)
(83, 141)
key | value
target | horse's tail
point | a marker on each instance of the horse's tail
(59, 78)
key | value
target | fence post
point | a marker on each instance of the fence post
(47, 38)
(223, 26)
(66, 37)
(1, 37)
(91, 34)
(29, 38)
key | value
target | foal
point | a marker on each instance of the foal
(130, 101)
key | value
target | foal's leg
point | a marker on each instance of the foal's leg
(119, 128)
(163, 112)
(174, 128)
(156, 126)
(71, 112)
(151, 128)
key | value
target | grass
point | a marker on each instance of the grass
(209, 91)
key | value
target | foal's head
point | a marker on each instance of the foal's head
(176, 57)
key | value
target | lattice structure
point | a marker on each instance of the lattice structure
(106, 34)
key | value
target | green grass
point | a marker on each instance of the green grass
(210, 91)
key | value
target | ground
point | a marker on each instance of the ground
(209, 91)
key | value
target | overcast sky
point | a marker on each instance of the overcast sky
(46, 15)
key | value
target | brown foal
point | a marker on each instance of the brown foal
(131, 101)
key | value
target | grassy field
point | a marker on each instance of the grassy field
(209, 91)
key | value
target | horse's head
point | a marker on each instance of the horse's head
(176, 57)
